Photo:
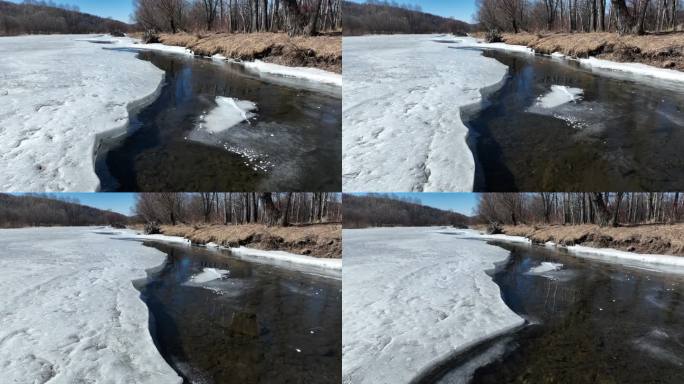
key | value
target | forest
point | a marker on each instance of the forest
(45, 17)
(622, 16)
(297, 17)
(604, 209)
(267, 208)
(52, 210)
(380, 210)
(383, 17)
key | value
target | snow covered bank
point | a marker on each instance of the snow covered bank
(58, 96)
(634, 68)
(414, 297)
(402, 99)
(651, 261)
(311, 74)
(228, 113)
(69, 312)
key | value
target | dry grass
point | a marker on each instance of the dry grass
(320, 240)
(661, 50)
(656, 238)
(323, 52)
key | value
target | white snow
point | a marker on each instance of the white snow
(402, 100)
(69, 312)
(209, 274)
(59, 95)
(328, 267)
(545, 266)
(505, 47)
(311, 74)
(634, 68)
(414, 297)
(559, 95)
(228, 113)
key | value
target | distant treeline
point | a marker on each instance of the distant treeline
(382, 17)
(581, 208)
(46, 17)
(51, 210)
(239, 208)
(378, 210)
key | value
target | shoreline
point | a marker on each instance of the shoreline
(647, 55)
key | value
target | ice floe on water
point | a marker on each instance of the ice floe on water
(559, 95)
(228, 113)
(545, 266)
(209, 274)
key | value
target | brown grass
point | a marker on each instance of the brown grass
(320, 240)
(661, 50)
(656, 238)
(323, 52)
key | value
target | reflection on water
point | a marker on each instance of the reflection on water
(623, 135)
(293, 144)
(588, 322)
(258, 324)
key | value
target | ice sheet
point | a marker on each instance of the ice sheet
(228, 113)
(402, 99)
(559, 95)
(414, 297)
(69, 312)
(209, 274)
(545, 266)
(59, 95)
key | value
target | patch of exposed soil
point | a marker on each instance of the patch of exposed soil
(662, 239)
(318, 240)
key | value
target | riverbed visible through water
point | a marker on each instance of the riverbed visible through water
(623, 133)
(257, 323)
(586, 322)
(291, 143)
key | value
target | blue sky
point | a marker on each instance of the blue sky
(460, 9)
(116, 202)
(116, 9)
(464, 203)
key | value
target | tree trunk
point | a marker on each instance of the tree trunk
(312, 27)
(602, 212)
(616, 214)
(622, 16)
(285, 220)
(295, 19)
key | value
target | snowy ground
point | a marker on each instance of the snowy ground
(58, 95)
(402, 99)
(69, 312)
(414, 297)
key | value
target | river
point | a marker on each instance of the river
(257, 324)
(293, 143)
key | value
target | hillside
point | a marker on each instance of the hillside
(35, 210)
(388, 210)
(39, 18)
(382, 18)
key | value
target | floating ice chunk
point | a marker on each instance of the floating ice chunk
(558, 96)
(209, 274)
(545, 266)
(228, 113)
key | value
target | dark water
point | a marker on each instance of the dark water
(261, 324)
(293, 143)
(589, 322)
(623, 135)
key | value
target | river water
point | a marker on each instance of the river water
(625, 134)
(587, 322)
(292, 144)
(258, 324)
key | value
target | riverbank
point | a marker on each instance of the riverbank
(661, 51)
(319, 240)
(660, 239)
(322, 52)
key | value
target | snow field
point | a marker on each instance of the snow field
(414, 297)
(69, 312)
(58, 96)
(402, 99)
